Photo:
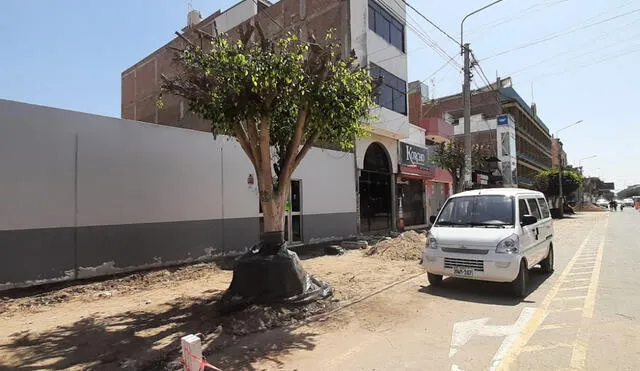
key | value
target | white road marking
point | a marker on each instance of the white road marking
(464, 331)
(569, 297)
(573, 288)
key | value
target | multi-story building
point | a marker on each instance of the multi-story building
(375, 30)
(558, 155)
(502, 119)
(437, 130)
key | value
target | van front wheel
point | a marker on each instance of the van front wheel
(434, 279)
(519, 285)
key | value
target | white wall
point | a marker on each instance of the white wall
(391, 145)
(478, 123)
(328, 182)
(132, 172)
(235, 15)
(36, 182)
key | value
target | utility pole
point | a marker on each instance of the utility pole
(560, 179)
(466, 92)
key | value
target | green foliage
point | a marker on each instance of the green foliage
(450, 156)
(629, 192)
(247, 89)
(547, 182)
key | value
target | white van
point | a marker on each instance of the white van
(495, 234)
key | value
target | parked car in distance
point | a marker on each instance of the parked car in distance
(603, 203)
(628, 202)
(494, 234)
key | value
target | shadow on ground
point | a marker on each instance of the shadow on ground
(484, 292)
(141, 340)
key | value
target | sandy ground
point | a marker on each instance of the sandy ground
(136, 321)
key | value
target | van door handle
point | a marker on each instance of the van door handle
(537, 233)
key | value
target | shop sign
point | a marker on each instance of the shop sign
(411, 155)
(503, 120)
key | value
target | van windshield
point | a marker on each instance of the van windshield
(477, 211)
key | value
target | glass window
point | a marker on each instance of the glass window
(372, 18)
(533, 207)
(544, 208)
(383, 23)
(392, 93)
(480, 211)
(382, 26)
(399, 102)
(522, 208)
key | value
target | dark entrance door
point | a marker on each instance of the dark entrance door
(375, 190)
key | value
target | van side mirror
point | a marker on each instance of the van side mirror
(528, 220)
(432, 219)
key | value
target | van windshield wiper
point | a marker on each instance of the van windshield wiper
(446, 223)
(490, 225)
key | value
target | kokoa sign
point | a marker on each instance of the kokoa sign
(411, 155)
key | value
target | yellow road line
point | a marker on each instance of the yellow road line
(540, 348)
(575, 309)
(579, 273)
(569, 297)
(579, 354)
(540, 314)
(557, 326)
(573, 288)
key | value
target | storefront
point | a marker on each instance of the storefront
(414, 169)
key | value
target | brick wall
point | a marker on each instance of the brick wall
(141, 82)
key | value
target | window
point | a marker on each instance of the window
(523, 209)
(385, 25)
(533, 206)
(544, 208)
(479, 211)
(393, 92)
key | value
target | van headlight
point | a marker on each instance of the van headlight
(432, 242)
(509, 245)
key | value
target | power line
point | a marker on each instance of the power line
(556, 35)
(431, 23)
(524, 12)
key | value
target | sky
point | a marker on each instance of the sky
(574, 58)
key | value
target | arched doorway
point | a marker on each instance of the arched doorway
(375, 190)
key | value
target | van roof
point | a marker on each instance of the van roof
(499, 192)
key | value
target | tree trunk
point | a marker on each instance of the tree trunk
(273, 212)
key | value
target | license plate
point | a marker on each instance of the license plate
(463, 272)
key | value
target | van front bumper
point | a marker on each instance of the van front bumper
(488, 267)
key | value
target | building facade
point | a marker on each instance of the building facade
(501, 119)
(85, 195)
(374, 29)
(558, 155)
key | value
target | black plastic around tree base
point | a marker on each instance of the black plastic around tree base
(271, 274)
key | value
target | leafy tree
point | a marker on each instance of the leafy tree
(630, 191)
(547, 182)
(277, 98)
(450, 156)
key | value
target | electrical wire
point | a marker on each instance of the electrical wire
(560, 34)
(523, 13)
(431, 23)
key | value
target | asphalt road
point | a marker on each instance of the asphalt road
(585, 316)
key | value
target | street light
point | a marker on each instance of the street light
(466, 93)
(582, 185)
(560, 195)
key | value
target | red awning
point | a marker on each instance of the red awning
(412, 172)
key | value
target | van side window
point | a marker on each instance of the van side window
(544, 208)
(533, 206)
(522, 207)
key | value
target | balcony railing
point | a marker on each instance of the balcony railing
(531, 160)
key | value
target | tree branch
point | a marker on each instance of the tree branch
(307, 146)
(295, 142)
(241, 135)
(253, 142)
(185, 39)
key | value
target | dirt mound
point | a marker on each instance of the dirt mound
(589, 207)
(37, 297)
(407, 246)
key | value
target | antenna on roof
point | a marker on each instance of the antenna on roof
(533, 99)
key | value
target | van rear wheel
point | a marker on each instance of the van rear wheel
(434, 279)
(519, 285)
(547, 263)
